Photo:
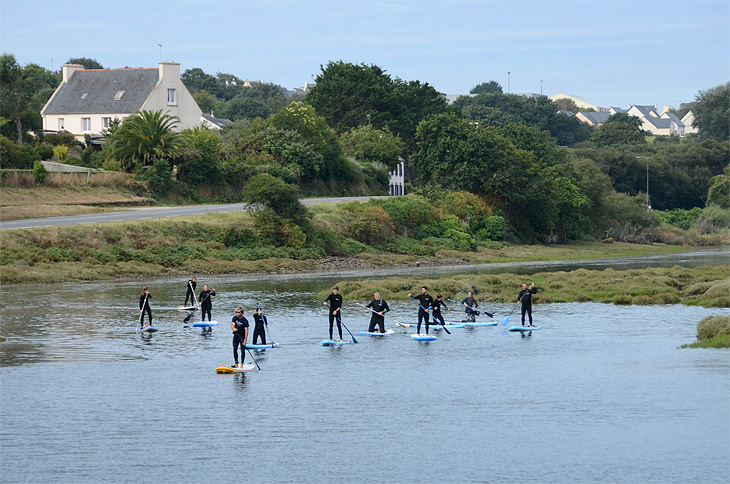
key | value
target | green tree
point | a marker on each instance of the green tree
(712, 112)
(566, 104)
(619, 128)
(197, 80)
(268, 191)
(488, 87)
(86, 62)
(719, 192)
(23, 92)
(205, 100)
(200, 160)
(143, 137)
(369, 144)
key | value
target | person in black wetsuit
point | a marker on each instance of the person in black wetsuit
(144, 307)
(426, 302)
(525, 299)
(258, 329)
(205, 302)
(190, 294)
(335, 310)
(380, 307)
(239, 326)
(436, 312)
(471, 304)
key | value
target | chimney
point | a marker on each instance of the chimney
(170, 70)
(69, 69)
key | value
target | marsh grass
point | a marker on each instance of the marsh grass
(635, 286)
(712, 332)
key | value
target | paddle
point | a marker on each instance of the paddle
(442, 324)
(251, 355)
(375, 312)
(343, 325)
(506, 320)
(266, 324)
(141, 311)
(473, 309)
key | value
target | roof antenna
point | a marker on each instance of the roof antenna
(160, 52)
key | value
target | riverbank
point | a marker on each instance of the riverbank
(712, 332)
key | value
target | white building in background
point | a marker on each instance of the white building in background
(582, 103)
(88, 99)
(396, 186)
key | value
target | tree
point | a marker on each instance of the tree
(371, 145)
(271, 192)
(143, 137)
(566, 104)
(619, 128)
(86, 62)
(719, 192)
(712, 112)
(487, 87)
(197, 80)
(200, 159)
(205, 100)
(23, 92)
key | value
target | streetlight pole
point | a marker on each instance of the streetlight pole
(508, 87)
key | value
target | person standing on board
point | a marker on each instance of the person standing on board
(335, 310)
(190, 294)
(258, 327)
(436, 312)
(206, 303)
(144, 307)
(379, 308)
(239, 326)
(525, 299)
(471, 305)
(425, 301)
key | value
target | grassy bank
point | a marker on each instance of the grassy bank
(231, 243)
(704, 286)
(712, 332)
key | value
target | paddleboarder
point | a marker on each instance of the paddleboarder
(239, 326)
(436, 312)
(425, 301)
(335, 310)
(144, 307)
(525, 299)
(470, 304)
(190, 294)
(206, 303)
(258, 327)
(380, 307)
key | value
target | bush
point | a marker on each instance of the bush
(712, 326)
(45, 150)
(61, 152)
(407, 212)
(372, 225)
(39, 172)
(684, 219)
(62, 138)
(278, 231)
(280, 197)
(494, 229)
(9, 153)
(463, 241)
(158, 177)
(713, 219)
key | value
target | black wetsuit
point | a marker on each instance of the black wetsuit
(258, 329)
(426, 301)
(436, 311)
(335, 303)
(239, 337)
(190, 294)
(206, 304)
(525, 298)
(471, 313)
(144, 305)
(377, 305)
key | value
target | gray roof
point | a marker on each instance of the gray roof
(100, 87)
(674, 118)
(217, 121)
(596, 117)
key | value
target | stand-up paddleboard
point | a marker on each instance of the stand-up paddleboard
(261, 347)
(187, 308)
(375, 333)
(331, 342)
(227, 369)
(423, 337)
(523, 329)
(205, 324)
(432, 325)
(438, 327)
(485, 323)
(148, 328)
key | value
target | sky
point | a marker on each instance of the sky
(615, 53)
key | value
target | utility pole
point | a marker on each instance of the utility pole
(541, 87)
(508, 86)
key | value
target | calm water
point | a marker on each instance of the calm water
(601, 393)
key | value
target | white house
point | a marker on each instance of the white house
(688, 120)
(593, 118)
(88, 99)
(665, 125)
(579, 101)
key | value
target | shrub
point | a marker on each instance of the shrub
(372, 225)
(60, 152)
(712, 326)
(45, 150)
(28, 156)
(280, 197)
(62, 138)
(407, 212)
(158, 177)
(9, 153)
(684, 219)
(713, 219)
(463, 241)
(39, 172)
(494, 229)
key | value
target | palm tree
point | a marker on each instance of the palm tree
(144, 137)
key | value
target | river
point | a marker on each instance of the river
(600, 394)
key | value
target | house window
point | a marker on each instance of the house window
(61, 124)
(170, 96)
(118, 95)
(85, 124)
(105, 122)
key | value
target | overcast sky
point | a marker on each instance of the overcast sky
(613, 52)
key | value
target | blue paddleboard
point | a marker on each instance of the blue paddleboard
(205, 324)
(423, 337)
(375, 333)
(330, 342)
(149, 328)
(522, 329)
(433, 325)
(485, 323)
(261, 347)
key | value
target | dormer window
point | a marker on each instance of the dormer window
(118, 95)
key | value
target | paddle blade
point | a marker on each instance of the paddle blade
(489, 314)
(187, 318)
(505, 321)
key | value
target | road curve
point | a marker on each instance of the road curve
(151, 212)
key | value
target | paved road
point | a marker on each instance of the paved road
(150, 212)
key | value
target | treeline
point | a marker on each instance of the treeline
(550, 177)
